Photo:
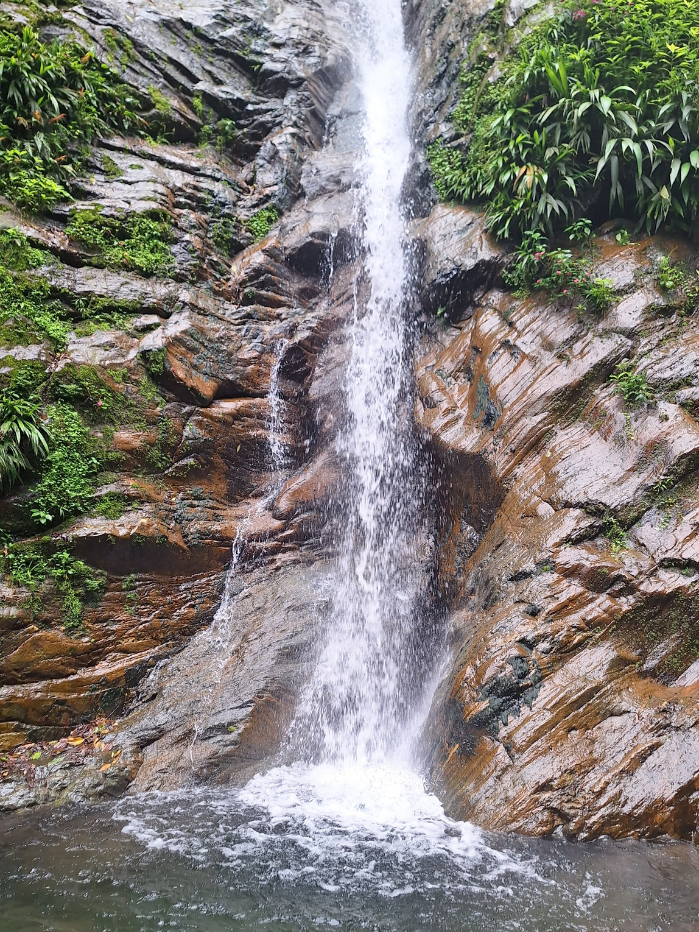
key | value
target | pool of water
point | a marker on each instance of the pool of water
(321, 847)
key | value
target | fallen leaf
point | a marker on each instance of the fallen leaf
(76, 742)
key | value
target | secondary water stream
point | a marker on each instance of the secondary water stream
(347, 836)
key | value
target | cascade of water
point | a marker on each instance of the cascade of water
(363, 692)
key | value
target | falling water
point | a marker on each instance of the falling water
(361, 698)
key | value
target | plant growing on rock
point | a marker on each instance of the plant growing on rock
(53, 95)
(77, 583)
(601, 103)
(262, 222)
(23, 438)
(631, 385)
(137, 243)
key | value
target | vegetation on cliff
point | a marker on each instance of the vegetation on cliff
(594, 112)
(56, 97)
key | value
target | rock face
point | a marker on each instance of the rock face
(225, 448)
(572, 701)
(568, 562)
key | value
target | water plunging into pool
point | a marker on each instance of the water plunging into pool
(360, 713)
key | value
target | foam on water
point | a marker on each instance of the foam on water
(338, 828)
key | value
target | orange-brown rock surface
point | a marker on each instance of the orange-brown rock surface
(573, 700)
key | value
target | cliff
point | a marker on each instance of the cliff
(206, 387)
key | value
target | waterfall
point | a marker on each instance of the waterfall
(363, 693)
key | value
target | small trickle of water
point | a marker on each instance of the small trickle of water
(277, 449)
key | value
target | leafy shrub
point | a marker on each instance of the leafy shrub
(670, 276)
(262, 222)
(601, 102)
(67, 483)
(23, 438)
(52, 95)
(631, 385)
(138, 243)
(599, 294)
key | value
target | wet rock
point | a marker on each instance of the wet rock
(571, 702)
(460, 261)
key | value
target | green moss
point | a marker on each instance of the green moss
(28, 315)
(223, 236)
(160, 456)
(17, 255)
(75, 583)
(24, 376)
(160, 101)
(111, 169)
(136, 242)
(85, 388)
(111, 506)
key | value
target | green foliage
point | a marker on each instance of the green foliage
(599, 294)
(28, 313)
(580, 231)
(631, 385)
(17, 255)
(670, 276)
(154, 361)
(23, 438)
(160, 101)
(83, 387)
(67, 483)
(30, 565)
(111, 169)
(137, 242)
(53, 95)
(111, 506)
(602, 103)
(159, 457)
(262, 222)
(25, 376)
(103, 314)
(615, 534)
(225, 235)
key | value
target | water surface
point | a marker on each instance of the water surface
(305, 848)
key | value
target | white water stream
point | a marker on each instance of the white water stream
(360, 714)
